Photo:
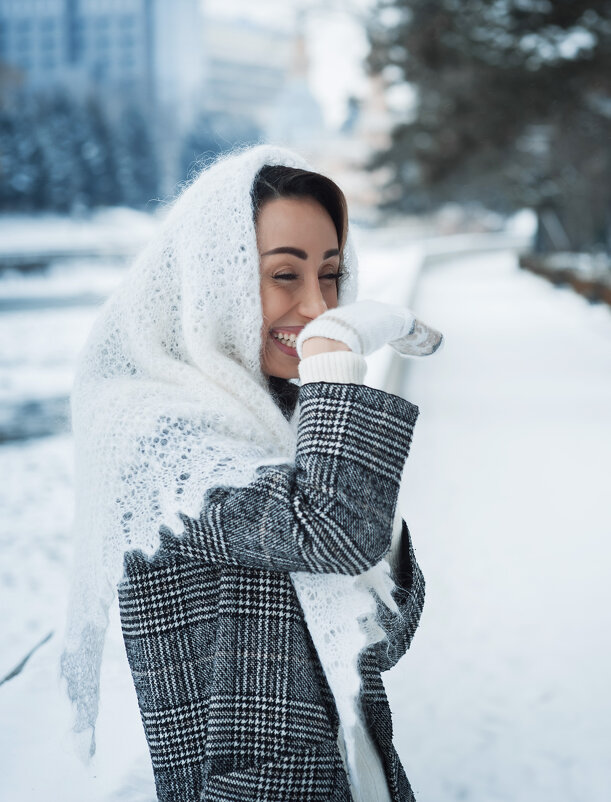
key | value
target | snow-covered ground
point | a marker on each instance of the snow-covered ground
(502, 696)
(112, 230)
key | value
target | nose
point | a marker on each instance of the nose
(311, 302)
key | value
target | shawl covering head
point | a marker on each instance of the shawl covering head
(169, 400)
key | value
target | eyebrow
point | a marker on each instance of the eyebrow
(298, 252)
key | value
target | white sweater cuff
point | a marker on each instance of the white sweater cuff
(344, 367)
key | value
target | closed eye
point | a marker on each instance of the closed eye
(291, 276)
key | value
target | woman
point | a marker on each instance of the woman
(245, 518)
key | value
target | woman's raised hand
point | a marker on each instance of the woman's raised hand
(365, 326)
(318, 345)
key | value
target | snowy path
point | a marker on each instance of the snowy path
(504, 694)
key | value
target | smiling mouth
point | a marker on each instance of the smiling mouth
(284, 345)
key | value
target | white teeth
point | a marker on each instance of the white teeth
(288, 339)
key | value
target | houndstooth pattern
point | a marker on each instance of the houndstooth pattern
(233, 698)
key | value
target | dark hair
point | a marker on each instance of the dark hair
(277, 181)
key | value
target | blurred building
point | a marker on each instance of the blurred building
(149, 48)
(344, 154)
(146, 52)
(204, 83)
(295, 117)
(246, 67)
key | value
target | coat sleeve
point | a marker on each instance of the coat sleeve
(409, 595)
(329, 512)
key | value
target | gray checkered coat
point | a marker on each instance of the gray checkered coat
(233, 698)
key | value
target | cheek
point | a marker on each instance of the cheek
(330, 296)
(266, 302)
(274, 303)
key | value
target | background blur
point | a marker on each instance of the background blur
(472, 140)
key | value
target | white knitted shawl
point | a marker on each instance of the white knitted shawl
(169, 400)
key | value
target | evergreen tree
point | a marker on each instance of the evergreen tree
(61, 140)
(136, 157)
(21, 160)
(97, 152)
(59, 153)
(513, 110)
(213, 133)
(9, 162)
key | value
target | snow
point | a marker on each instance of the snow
(80, 280)
(112, 229)
(38, 349)
(503, 694)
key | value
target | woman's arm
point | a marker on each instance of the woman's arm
(409, 595)
(330, 512)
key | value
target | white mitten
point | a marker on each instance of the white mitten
(366, 326)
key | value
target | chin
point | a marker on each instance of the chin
(278, 367)
(281, 371)
(285, 374)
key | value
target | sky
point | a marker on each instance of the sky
(335, 37)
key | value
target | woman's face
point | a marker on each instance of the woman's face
(299, 259)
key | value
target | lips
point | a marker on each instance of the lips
(288, 329)
(282, 346)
